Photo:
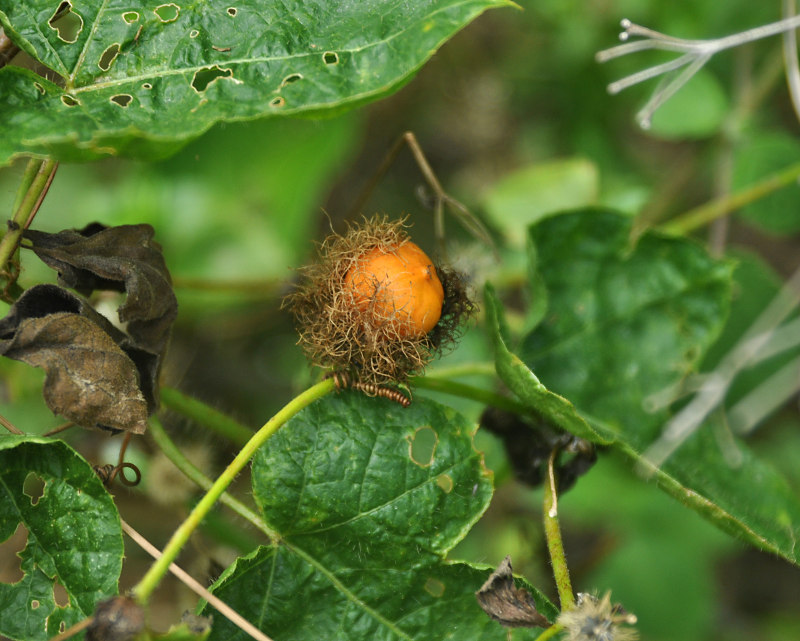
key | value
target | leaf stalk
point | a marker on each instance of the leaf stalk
(552, 532)
(198, 411)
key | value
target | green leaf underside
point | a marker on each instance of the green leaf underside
(365, 526)
(625, 322)
(171, 79)
(74, 536)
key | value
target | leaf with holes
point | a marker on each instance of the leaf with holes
(51, 496)
(368, 498)
(141, 78)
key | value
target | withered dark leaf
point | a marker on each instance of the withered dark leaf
(119, 618)
(529, 443)
(508, 605)
(91, 380)
(123, 258)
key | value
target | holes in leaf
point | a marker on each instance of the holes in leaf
(130, 17)
(330, 58)
(278, 101)
(108, 57)
(445, 483)
(292, 77)
(122, 99)
(9, 552)
(146, 85)
(194, 33)
(33, 487)
(167, 12)
(422, 446)
(35, 604)
(204, 77)
(232, 11)
(66, 22)
(434, 587)
(60, 595)
(39, 87)
(70, 101)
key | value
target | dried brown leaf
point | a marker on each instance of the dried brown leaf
(508, 605)
(90, 379)
(123, 258)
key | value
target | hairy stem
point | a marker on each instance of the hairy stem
(152, 578)
(552, 532)
(186, 467)
(198, 411)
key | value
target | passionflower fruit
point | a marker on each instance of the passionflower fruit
(374, 306)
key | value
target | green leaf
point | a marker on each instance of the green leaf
(73, 537)
(524, 383)
(140, 80)
(537, 190)
(623, 325)
(759, 157)
(368, 497)
(623, 322)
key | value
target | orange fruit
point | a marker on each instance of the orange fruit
(399, 286)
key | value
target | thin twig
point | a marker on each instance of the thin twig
(441, 198)
(10, 426)
(73, 630)
(223, 608)
(790, 58)
(59, 428)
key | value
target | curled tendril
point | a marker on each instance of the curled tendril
(108, 473)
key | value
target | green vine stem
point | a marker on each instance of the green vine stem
(187, 468)
(198, 411)
(152, 578)
(552, 631)
(552, 532)
(468, 391)
(720, 207)
(35, 183)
